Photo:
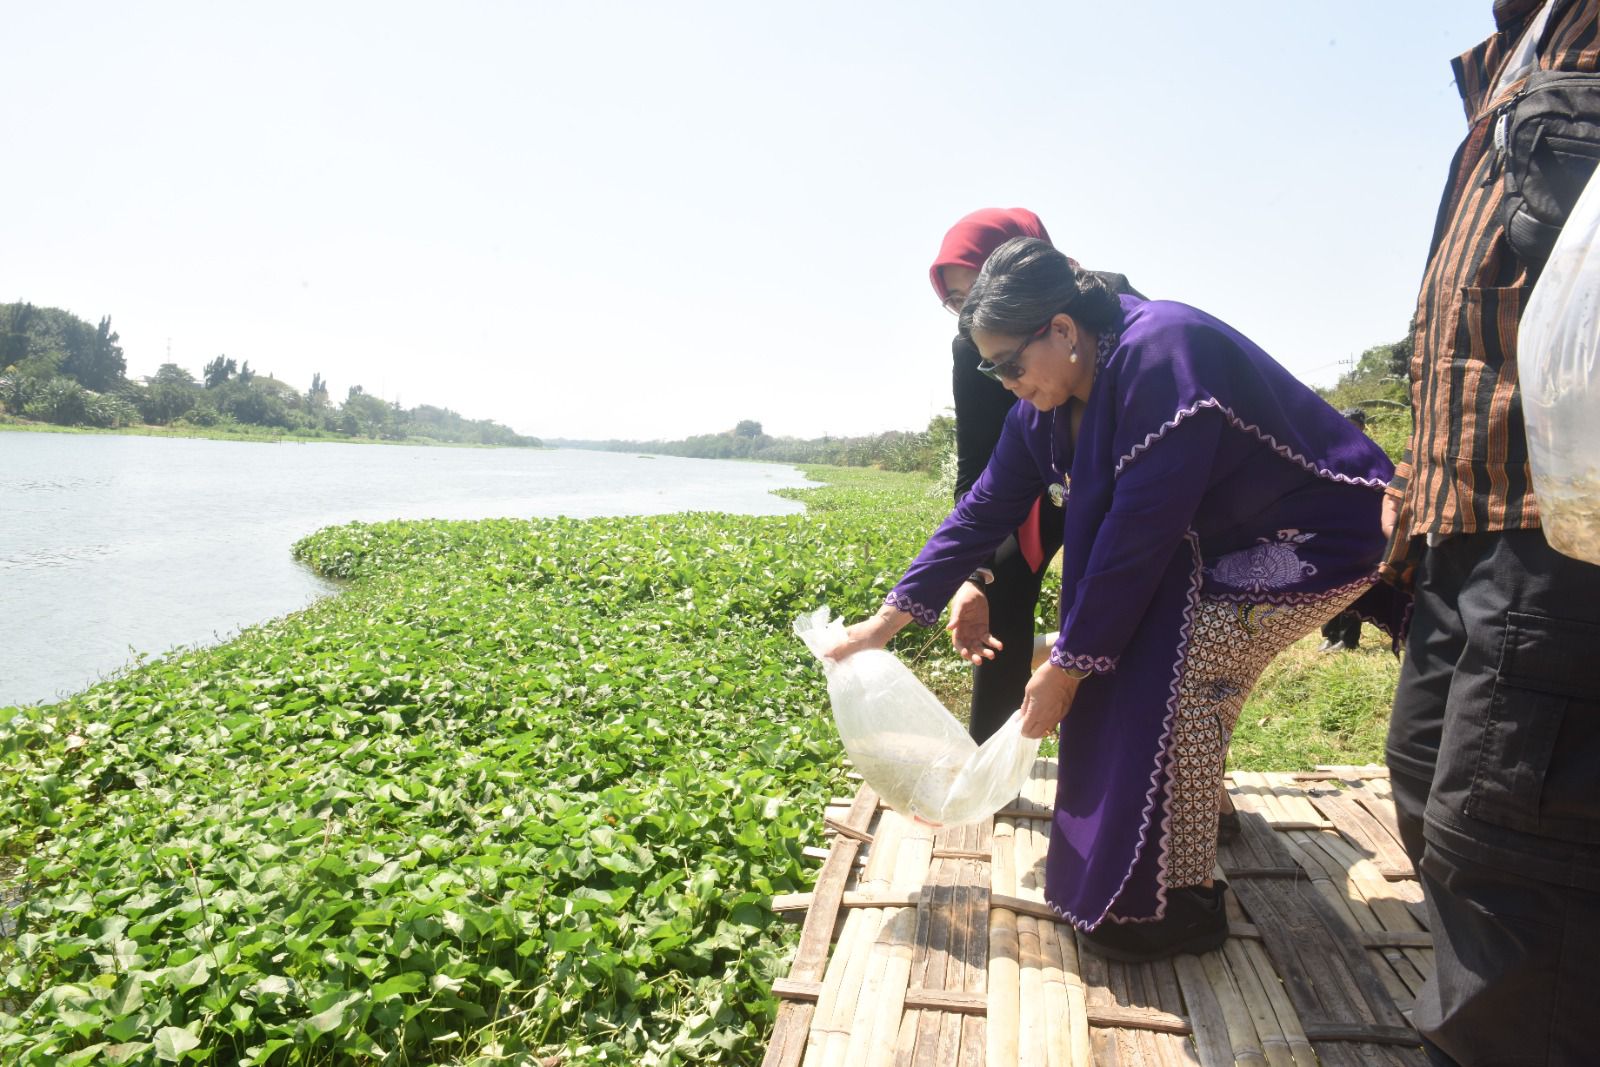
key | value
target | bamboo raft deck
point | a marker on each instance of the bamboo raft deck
(934, 946)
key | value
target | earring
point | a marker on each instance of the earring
(1074, 357)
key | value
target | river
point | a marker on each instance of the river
(112, 547)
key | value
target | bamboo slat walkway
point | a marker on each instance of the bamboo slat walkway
(934, 946)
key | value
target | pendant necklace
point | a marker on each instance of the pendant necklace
(1058, 488)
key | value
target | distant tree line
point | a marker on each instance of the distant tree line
(1377, 383)
(898, 450)
(56, 368)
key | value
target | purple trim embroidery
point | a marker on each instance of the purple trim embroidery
(923, 615)
(1093, 664)
(1250, 428)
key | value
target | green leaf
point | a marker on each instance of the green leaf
(400, 984)
(191, 974)
(172, 1042)
(334, 1017)
(127, 997)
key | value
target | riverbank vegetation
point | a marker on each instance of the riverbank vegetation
(57, 370)
(1376, 383)
(524, 788)
(894, 450)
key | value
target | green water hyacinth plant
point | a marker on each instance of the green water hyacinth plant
(523, 789)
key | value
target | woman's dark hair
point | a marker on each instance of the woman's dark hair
(1025, 283)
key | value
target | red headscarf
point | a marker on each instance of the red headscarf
(970, 241)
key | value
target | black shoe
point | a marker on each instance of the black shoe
(1228, 826)
(1196, 921)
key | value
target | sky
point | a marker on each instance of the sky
(642, 221)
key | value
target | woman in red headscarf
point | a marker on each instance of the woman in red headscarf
(991, 619)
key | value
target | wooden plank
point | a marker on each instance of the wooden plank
(790, 1032)
(845, 829)
(1262, 872)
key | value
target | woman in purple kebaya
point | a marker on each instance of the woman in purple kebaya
(1219, 510)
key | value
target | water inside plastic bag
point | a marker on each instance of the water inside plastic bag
(906, 745)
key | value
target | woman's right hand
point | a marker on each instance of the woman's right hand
(874, 632)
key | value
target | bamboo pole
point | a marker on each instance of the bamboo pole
(1005, 979)
(1374, 908)
(834, 1019)
(875, 1029)
(1205, 1013)
(1078, 1044)
(1282, 1007)
(1242, 1037)
(1291, 795)
(1058, 1025)
(1054, 1008)
(1274, 1043)
(1260, 796)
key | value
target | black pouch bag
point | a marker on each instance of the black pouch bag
(1547, 137)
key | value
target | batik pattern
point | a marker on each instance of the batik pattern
(1231, 645)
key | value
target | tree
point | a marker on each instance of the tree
(94, 360)
(317, 395)
(14, 322)
(747, 428)
(218, 371)
(172, 395)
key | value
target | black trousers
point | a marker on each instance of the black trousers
(1343, 629)
(998, 684)
(1494, 755)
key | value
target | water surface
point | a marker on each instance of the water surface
(114, 546)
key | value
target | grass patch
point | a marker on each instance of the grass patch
(1315, 707)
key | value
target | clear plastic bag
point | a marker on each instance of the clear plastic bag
(1558, 349)
(905, 744)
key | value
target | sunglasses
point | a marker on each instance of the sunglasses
(1008, 369)
(953, 301)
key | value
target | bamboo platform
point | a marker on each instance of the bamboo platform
(934, 946)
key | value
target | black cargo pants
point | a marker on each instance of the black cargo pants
(1494, 755)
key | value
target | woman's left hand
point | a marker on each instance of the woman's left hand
(1046, 700)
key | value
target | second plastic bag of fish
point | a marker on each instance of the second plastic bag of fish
(906, 745)
(1558, 362)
